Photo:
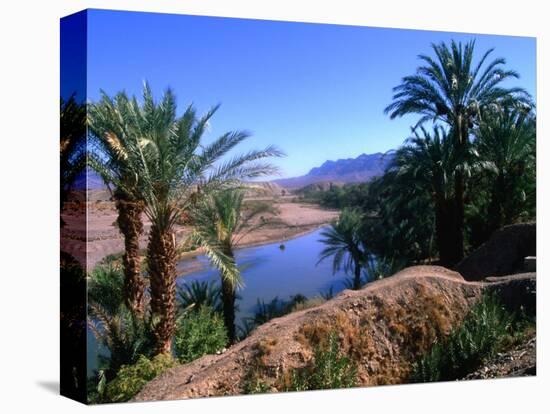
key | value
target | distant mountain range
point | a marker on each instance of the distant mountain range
(350, 170)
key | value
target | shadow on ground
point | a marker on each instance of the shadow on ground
(51, 386)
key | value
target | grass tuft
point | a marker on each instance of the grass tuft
(487, 329)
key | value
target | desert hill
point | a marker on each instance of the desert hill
(349, 170)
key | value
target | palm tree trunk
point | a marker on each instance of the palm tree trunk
(161, 256)
(457, 226)
(495, 209)
(131, 227)
(444, 216)
(228, 302)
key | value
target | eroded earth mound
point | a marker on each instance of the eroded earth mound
(503, 254)
(384, 328)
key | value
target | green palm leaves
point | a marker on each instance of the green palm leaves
(220, 222)
(507, 140)
(154, 156)
(72, 143)
(345, 244)
(451, 89)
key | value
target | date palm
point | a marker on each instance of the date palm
(451, 88)
(112, 127)
(507, 138)
(345, 243)
(221, 222)
(173, 170)
(427, 165)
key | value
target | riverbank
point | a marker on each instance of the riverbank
(103, 237)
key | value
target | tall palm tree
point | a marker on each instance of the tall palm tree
(173, 171)
(112, 127)
(507, 139)
(345, 243)
(451, 88)
(222, 221)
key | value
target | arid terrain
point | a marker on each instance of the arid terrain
(384, 327)
(103, 238)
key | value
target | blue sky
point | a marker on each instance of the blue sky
(316, 91)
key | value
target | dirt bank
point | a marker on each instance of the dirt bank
(384, 327)
(100, 237)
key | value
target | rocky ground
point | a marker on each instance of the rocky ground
(519, 362)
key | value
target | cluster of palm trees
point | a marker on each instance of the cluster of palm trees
(469, 103)
(159, 167)
(450, 185)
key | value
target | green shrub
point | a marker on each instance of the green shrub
(106, 287)
(481, 335)
(123, 334)
(199, 333)
(130, 379)
(328, 370)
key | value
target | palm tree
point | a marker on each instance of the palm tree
(452, 89)
(221, 222)
(507, 139)
(427, 164)
(344, 241)
(112, 127)
(197, 294)
(72, 143)
(173, 172)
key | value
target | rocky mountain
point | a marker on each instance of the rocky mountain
(349, 170)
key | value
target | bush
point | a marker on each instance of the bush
(329, 370)
(123, 334)
(130, 379)
(199, 333)
(485, 329)
(106, 287)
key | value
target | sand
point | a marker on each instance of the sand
(102, 238)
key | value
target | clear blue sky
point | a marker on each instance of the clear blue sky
(316, 91)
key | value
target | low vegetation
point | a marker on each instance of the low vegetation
(336, 196)
(130, 379)
(489, 328)
(123, 335)
(199, 333)
(329, 369)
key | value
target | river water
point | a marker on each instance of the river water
(267, 271)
